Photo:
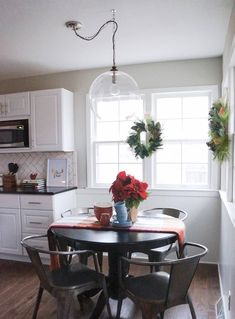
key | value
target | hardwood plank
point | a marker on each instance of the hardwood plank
(19, 285)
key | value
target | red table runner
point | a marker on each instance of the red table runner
(161, 223)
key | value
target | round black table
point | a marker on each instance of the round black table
(116, 243)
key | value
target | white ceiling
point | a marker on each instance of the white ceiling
(34, 40)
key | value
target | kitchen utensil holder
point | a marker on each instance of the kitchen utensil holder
(9, 181)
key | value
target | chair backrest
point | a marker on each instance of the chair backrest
(181, 272)
(60, 258)
(173, 212)
(29, 243)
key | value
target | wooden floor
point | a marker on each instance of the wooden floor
(19, 284)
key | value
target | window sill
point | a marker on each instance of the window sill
(160, 192)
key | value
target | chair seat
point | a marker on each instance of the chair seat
(144, 287)
(74, 275)
(164, 250)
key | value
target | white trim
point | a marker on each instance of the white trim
(206, 88)
(88, 143)
(157, 192)
(221, 292)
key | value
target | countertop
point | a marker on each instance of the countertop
(44, 191)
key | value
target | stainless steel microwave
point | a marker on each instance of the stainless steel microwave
(14, 133)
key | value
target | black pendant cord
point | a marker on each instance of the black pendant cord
(89, 38)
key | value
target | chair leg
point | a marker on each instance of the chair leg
(119, 308)
(147, 312)
(63, 305)
(38, 300)
(105, 291)
(100, 260)
(191, 307)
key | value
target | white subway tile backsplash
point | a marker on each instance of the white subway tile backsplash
(36, 162)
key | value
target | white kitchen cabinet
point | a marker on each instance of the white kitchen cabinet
(22, 215)
(52, 126)
(10, 225)
(39, 211)
(14, 105)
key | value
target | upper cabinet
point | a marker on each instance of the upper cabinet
(14, 105)
(52, 120)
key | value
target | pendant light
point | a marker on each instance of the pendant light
(113, 83)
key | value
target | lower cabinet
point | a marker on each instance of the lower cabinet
(10, 231)
(30, 215)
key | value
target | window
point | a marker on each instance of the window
(109, 152)
(184, 160)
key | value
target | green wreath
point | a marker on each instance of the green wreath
(153, 138)
(218, 130)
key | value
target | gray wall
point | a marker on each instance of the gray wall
(149, 75)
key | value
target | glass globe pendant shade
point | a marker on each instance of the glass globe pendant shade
(113, 84)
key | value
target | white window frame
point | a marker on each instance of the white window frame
(148, 163)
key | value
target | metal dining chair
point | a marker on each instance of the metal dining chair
(155, 292)
(71, 279)
(160, 253)
(86, 211)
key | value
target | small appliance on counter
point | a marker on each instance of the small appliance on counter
(9, 180)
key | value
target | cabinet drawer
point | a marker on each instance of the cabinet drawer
(9, 201)
(36, 223)
(36, 202)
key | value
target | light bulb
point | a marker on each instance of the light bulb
(114, 89)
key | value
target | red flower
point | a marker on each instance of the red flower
(129, 189)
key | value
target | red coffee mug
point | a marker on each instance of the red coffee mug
(101, 208)
(104, 219)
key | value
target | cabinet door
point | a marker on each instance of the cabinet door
(46, 120)
(17, 104)
(10, 231)
(2, 105)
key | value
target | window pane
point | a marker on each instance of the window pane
(169, 153)
(107, 111)
(106, 173)
(168, 174)
(131, 109)
(195, 106)
(107, 131)
(132, 169)
(126, 155)
(195, 153)
(125, 129)
(195, 174)
(168, 108)
(195, 129)
(171, 129)
(106, 153)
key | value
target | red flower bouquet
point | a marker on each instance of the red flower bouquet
(129, 189)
